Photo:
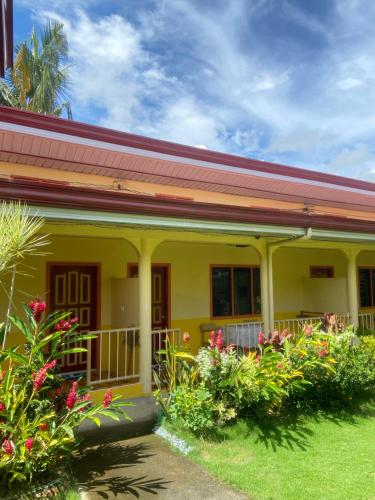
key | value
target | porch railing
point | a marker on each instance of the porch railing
(366, 321)
(113, 356)
(294, 325)
(243, 335)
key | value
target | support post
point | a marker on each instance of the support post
(146, 249)
(264, 292)
(352, 284)
(271, 312)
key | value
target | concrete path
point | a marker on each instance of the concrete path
(144, 467)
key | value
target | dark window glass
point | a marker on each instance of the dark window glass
(221, 291)
(365, 284)
(256, 291)
(242, 291)
(322, 272)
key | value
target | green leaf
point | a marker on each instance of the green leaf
(22, 327)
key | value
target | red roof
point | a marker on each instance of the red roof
(57, 143)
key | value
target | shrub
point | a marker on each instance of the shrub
(311, 369)
(39, 410)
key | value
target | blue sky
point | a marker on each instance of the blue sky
(288, 81)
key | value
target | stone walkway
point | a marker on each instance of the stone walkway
(144, 467)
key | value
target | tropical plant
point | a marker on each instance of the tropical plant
(39, 409)
(19, 237)
(40, 76)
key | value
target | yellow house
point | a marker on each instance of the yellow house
(150, 238)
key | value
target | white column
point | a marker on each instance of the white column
(352, 284)
(145, 322)
(264, 290)
(271, 312)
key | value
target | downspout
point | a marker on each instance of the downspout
(271, 247)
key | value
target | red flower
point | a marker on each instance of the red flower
(29, 443)
(37, 307)
(186, 337)
(308, 330)
(72, 396)
(279, 365)
(2, 407)
(323, 353)
(40, 376)
(43, 426)
(107, 398)
(8, 446)
(261, 338)
(212, 339)
(65, 324)
(219, 340)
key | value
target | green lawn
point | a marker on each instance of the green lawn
(325, 457)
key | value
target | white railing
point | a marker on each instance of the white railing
(295, 325)
(113, 356)
(366, 321)
(243, 335)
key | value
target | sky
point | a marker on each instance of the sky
(286, 81)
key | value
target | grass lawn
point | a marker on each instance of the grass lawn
(329, 456)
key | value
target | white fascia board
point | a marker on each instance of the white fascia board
(151, 222)
(344, 236)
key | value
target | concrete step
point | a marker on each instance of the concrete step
(144, 415)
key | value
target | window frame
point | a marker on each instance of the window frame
(231, 267)
(372, 288)
(331, 268)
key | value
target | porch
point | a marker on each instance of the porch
(135, 286)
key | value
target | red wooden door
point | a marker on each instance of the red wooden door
(73, 288)
(159, 297)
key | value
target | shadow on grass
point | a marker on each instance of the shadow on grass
(293, 430)
(103, 470)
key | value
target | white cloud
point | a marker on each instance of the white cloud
(200, 75)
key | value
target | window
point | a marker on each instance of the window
(322, 272)
(367, 287)
(235, 291)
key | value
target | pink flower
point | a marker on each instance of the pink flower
(107, 398)
(40, 376)
(65, 324)
(279, 365)
(7, 446)
(308, 330)
(212, 339)
(37, 307)
(43, 426)
(219, 340)
(72, 396)
(261, 338)
(2, 407)
(29, 443)
(186, 338)
(323, 353)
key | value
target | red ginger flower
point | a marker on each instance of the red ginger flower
(43, 426)
(212, 339)
(107, 398)
(261, 338)
(37, 307)
(29, 443)
(2, 407)
(219, 340)
(40, 376)
(186, 337)
(65, 324)
(7, 446)
(72, 397)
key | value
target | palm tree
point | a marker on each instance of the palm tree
(40, 77)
